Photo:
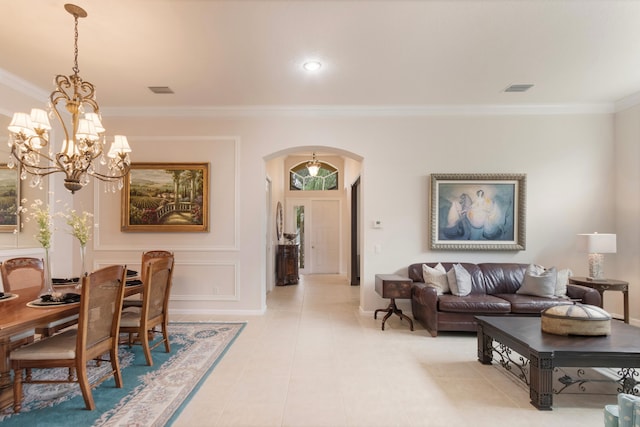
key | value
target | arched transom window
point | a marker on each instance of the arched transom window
(326, 179)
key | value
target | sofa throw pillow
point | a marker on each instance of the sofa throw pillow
(561, 282)
(459, 280)
(436, 277)
(539, 281)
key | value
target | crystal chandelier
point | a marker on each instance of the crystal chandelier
(313, 166)
(83, 143)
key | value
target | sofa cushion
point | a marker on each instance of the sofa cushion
(474, 303)
(501, 278)
(562, 280)
(539, 281)
(459, 280)
(477, 279)
(528, 304)
(436, 277)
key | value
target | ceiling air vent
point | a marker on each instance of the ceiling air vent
(518, 88)
(160, 89)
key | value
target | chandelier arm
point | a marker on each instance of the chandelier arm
(55, 97)
(42, 172)
(108, 178)
(17, 155)
(36, 170)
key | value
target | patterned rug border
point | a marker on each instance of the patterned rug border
(153, 396)
(195, 389)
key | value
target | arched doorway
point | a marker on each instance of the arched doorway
(337, 205)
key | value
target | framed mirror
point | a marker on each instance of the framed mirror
(279, 221)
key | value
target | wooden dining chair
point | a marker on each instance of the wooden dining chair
(96, 335)
(147, 256)
(142, 321)
(20, 273)
(26, 272)
(151, 255)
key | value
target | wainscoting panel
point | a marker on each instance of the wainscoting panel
(206, 281)
(198, 280)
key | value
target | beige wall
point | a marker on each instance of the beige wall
(627, 178)
(569, 160)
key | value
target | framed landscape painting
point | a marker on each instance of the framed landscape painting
(9, 199)
(166, 197)
(478, 211)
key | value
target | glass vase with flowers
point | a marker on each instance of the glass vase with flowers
(39, 212)
(80, 228)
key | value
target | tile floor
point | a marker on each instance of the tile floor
(314, 360)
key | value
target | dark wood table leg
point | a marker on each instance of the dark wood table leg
(485, 347)
(384, 319)
(391, 309)
(625, 295)
(601, 292)
(541, 380)
(6, 385)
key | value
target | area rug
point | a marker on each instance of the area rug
(151, 395)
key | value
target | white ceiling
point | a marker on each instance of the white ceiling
(375, 54)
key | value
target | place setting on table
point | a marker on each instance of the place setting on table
(7, 296)
(54, 299)
(66, 291)
(133, 278)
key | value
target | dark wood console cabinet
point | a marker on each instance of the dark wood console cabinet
(287, 265)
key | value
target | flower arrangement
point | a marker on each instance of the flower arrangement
(80, 225)
(40, 213)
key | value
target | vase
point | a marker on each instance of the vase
(47, 289)
(83, 269)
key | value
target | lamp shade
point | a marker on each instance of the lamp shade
(97, 124)
(120, 145)
(597, 243)
(40, 119)
(21, 123)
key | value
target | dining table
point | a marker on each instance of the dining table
(17, 317)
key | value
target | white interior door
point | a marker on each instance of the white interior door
(325, 236)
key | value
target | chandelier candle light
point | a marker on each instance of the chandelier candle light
(83, 140)
(597, 244)
(313, 166)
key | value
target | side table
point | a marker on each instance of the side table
(287, 265)
(602, 285)
(393, 286)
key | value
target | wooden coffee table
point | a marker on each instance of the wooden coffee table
(546, 351)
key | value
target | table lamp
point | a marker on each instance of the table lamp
(597, 244)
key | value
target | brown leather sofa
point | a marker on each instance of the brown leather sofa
(493, 293)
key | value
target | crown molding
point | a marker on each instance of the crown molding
(229, 111)
(22, 86)
(359, 110)
(627, 102)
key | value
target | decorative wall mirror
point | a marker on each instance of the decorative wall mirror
(279, 221)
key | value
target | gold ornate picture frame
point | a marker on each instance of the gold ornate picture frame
(478, 211)
(166, 197)
(9, 199)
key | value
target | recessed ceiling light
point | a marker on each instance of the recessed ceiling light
(312, 65)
